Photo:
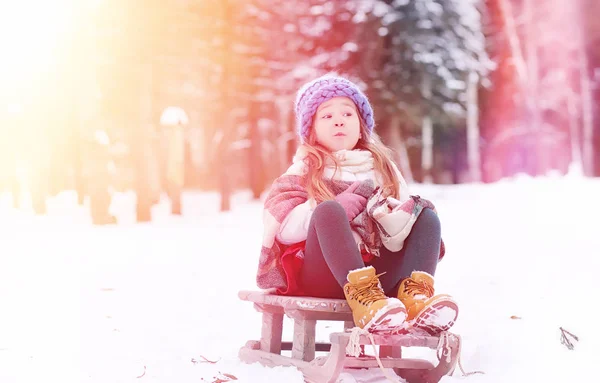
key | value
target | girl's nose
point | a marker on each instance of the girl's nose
(339, 123)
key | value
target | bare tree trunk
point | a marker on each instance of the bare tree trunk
(223, 150)
(587, 107)
(285, 135)
(140, 145)
(427, 135)
(513, 39)
(256, 167)
(576, 158)
(176, 162)
(473, 154)
(510, 29)
(540, 157)
(588, 120)
(427, 151)
(396, 142)
(292, 143)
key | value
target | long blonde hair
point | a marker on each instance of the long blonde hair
(316, 161)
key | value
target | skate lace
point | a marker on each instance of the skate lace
(369, 292)
(412, 287)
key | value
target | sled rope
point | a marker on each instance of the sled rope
(353, 349)
(443, 350)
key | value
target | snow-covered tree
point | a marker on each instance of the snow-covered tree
(429, 50)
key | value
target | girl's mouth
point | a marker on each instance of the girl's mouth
(340, 134)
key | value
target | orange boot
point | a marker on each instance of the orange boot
(432, 313)
(371, 309)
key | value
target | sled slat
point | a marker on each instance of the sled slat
(319, 315)
(388, 363)
(296, 303)
(319, 346)
(391, 340)
(390, 351)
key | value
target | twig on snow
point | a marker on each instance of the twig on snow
(142, 374)
(204, 361)
(567, 337)
(227, 378)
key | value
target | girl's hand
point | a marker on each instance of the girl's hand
(352, 203)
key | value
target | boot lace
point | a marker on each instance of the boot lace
(369, 292)
(413, 288)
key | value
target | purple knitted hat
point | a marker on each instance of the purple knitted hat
(317, 91)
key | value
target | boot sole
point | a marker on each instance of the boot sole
(387, 319)
(438, 317)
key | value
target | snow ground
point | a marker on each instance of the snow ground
(110, 304)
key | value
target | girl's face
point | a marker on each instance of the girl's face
(336, 124)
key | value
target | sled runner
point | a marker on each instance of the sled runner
(306, 311)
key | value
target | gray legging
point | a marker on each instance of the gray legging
(331, 253)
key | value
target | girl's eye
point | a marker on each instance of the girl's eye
(326, 116)
(348, 114)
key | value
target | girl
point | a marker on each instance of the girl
(342, 211)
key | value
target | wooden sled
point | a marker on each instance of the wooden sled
(306, 311)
